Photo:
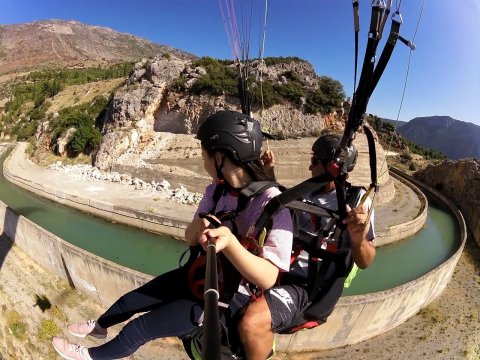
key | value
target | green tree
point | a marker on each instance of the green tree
(85, 140)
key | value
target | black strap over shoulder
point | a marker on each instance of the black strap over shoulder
(244, 195)
(253, 189)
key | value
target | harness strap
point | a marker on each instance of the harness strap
(360, 97)
(311, 209)
(257, 187)
(387, 51)
(356, 22)
(282, 200)
(372, 154)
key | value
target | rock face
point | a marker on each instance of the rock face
(147, 107)
(63, 140)
(460, 181)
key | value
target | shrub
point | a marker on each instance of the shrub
(406, 157)
(388, 127)
(270, 95)
(25, 130)
(292, 91)
(85, 140)
(218, 80)
(315, 103)
(222, 78)
(15, 324)
(327, 98)
(179, 83)
(83, 118)
(281, 60)
(47, 329)
(292, 76)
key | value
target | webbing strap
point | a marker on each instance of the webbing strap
(257, 187)
(311, 209)
(360, 99)
(230, 272)
(317, 277)
(372, 154)
(356, 24)
(386, 53)
(282, 200)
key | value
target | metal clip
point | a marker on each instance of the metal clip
(397, 17)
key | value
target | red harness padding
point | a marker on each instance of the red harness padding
(305, 326)
(196, 272)
(196, 276)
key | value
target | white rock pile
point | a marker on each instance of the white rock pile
(162, 188)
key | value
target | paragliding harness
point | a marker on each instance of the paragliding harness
(329, 262)
(229, 278)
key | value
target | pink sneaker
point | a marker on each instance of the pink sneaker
(70, 351)
(89, 327)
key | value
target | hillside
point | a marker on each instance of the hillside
(456, 139)
(62, 43)
(121, 107)
(396, 123)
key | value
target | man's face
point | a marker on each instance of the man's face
(316, 166)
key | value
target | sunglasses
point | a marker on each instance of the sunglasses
(315, 161)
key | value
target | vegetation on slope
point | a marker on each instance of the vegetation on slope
(221, 79)
(28, 104)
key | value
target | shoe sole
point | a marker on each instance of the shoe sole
(99, 336)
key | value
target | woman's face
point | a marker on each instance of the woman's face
(209, 164)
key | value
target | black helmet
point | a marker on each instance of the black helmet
(326, 146)
(234, 132)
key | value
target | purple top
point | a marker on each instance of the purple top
(278, 243)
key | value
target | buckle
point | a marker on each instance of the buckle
(328, 244)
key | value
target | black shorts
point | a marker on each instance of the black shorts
(285, 303)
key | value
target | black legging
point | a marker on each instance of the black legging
(170, 310)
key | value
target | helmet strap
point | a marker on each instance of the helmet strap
(219, 168)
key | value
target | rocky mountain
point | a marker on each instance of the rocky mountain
(149, 105)
(460, 181)
(71, 43)
(456, 139)
(168, 90)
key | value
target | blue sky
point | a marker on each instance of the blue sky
(444, 76)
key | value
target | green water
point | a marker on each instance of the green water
(154, 254)
(137, 249)
(410, 258)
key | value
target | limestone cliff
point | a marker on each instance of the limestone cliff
(460, 181)
(148, 106)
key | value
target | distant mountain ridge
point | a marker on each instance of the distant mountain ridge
(456, 139)
(394, 122)
(70, 43)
